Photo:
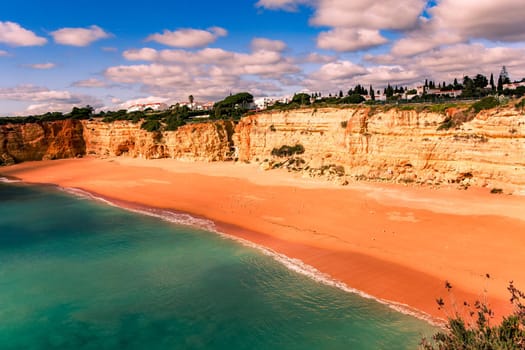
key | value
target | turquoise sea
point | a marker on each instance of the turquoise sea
(76, 273)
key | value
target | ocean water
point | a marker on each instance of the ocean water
(80, 274)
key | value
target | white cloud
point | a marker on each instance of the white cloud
(42, 66)
(454, 22)
(486, 19)
(188, 38)
(144, 54)
(42, 100)
(315, 57)
(210, 73)
(350, 39)
(79, 36)
(3, 53)
(356, 25)
(339, 70)
(268, 45)
(13, 34)
(287, 5)
(90, 83)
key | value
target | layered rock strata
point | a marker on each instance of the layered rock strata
(487, 149)
(203, 142)
(41, 140)
(393, 145)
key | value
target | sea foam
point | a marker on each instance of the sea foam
(292, 264)
(8, 181)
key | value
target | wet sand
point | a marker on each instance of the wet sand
(393, 242)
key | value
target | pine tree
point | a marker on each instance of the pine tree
(372, 95)
(504, 75)
(492, 86)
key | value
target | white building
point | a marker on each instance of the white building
(513, 86)
(141, 107)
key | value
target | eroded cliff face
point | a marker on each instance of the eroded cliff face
(204, 142)
(345, 144)
(42, 140)
(394, 145)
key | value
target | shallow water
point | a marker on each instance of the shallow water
(78, 274)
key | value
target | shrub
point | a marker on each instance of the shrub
(447, 124)
(485, 103)
(288, 151)
(479, 333)
(440, 107)
(496, 191)
(344, 124)
(151, 125)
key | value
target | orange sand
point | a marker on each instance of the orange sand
(394, 242)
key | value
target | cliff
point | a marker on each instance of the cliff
(344, 144)
(204, 141)
(41, 140)
(392, 145)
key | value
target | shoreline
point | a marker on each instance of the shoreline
(225, 230)
(358, 266)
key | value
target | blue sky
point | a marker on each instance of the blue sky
(58, 54)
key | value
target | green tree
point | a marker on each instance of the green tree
(353, 99)
(504, 75)
(301, 98)
(81, 113)
(500, 85)
(191, 99)
(372, 94)
(480, 81)
(233, 105)
(468, 87)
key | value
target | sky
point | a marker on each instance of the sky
(110, 54)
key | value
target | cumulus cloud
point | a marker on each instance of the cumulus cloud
(315, 57)
(342, 75)
(13, 34)
(208, 73)
(386, 14)
(42, 100)
(188, 38)
(356, 25)
(485, 19)
(79, 36)
(350, 39)
(287, 5)
(90, 83)
(42, 66)
(268, 45)
(455, 22)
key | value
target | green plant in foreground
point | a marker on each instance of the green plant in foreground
(478, 333)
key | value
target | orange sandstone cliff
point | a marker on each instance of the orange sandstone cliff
(41, 140)
(393, 145)
(488, 149)
(203, 141)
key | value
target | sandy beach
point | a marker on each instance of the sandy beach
(393, 242)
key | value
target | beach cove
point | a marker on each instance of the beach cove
(396, 243)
